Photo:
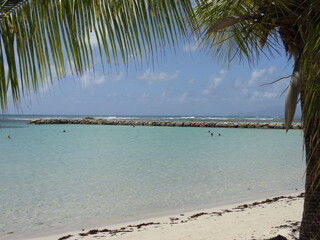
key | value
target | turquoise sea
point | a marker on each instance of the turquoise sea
(52, 180)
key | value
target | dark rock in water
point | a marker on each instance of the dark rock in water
(279, 237)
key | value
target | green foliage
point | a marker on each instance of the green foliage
(256, 33)
(244, 29)
(88, 118)
(41, 39)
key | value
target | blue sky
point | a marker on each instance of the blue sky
(188, 82)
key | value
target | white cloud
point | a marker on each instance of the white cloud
(183, 97)
(272, 69)
(112, 94)
(256, 76)
(245, 91)
(90, 79)
(117, 77)
(237, 99)
(190, 81)
(248, 95)
(93, 40)
(239, 83)
(144, 96)
(46, 87)
(152, 77)
(259, 76)
(69, 67)
(251, 90)
(223, 72)
(205, 92)
(100, 80)
(258, 95)
(214, 81)
(254, 96)
(270, 95)
(189, 47)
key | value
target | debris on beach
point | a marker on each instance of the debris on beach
(291, 226)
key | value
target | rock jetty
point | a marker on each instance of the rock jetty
(166, 123)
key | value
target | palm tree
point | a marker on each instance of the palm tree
(245, 29)
(38, 34)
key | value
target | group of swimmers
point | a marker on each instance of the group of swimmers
(9, 136)
(212, 134)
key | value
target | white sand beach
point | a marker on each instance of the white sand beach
(254, 220)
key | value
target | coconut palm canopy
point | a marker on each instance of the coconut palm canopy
(39, 37)
(245, 29)
(42, 37)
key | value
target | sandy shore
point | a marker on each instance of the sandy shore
(256, 220)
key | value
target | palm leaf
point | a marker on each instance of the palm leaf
(40, 39)
(225, 22)
(292, 97)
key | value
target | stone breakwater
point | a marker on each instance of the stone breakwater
(166, 123)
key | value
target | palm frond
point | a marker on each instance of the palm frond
(9, 6)
(41, 39)
(292, 96)
(225, 22)
(251, 26)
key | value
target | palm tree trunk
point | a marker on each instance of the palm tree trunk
(310, 225)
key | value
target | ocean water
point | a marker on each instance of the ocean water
(52, 179)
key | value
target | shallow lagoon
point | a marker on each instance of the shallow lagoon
(90, 173)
